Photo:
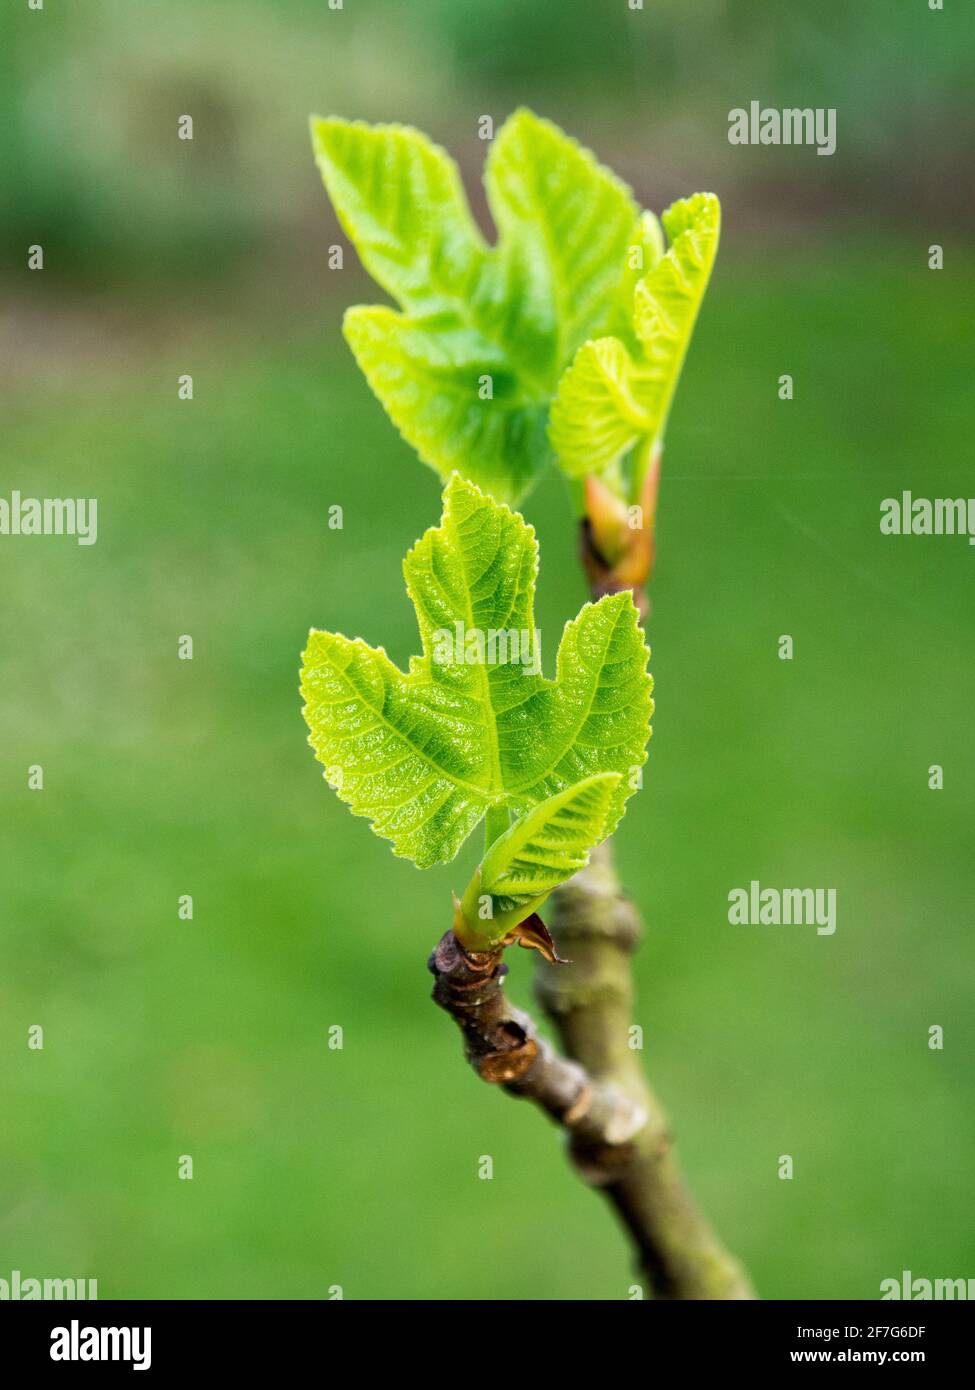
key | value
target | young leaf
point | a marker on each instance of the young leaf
(474, 724)
(548, 844)
(614, 398)
(599, 413)
(642, 254)
(467, 370)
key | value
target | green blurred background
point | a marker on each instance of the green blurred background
(358, 1167)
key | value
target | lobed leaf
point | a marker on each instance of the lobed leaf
(511, 315)
(424, 755)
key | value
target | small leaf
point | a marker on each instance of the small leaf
(468, 369)
(423, 755)
(644, 249)
(666, 302)
(598, 415)
(542, 849)
(615, 397)
(549, 843)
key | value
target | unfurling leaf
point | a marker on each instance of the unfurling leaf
(468, 368)
(616, 395)
(474, 727)
(549, 843)
(544, 847)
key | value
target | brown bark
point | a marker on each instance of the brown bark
(590, 1002)
(503, 1046)
(590, 999)
(617, 1135)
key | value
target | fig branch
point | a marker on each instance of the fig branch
(617, 1135)
(590, 1002)
(503, 1046)
(589, 999)
(610, 295)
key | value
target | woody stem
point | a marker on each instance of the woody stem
(617, 1137)
(590, 1004)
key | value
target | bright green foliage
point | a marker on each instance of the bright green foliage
(425, 755)
(617, 393)
(642, 254)
(468, 368)
(548, 844)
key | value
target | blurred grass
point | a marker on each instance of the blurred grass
(359, 1167)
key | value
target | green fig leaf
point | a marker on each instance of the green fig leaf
(467, 365)
(616, 395)
(474, 726)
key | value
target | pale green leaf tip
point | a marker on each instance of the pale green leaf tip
(320, 127)
(524, 118)
(524, 115)
(696, 213)
(325, 128)
(357, 319)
